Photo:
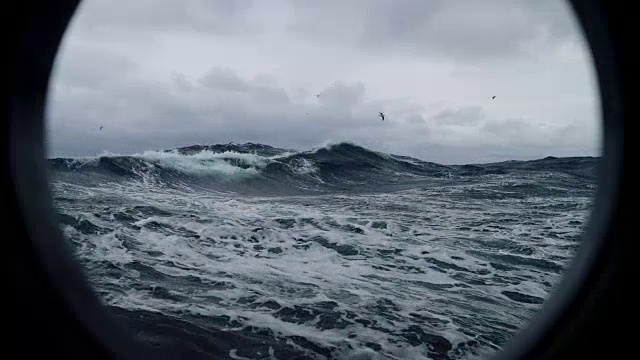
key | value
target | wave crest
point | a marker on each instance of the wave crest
(262, 168)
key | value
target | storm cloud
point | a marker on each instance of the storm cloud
(299, 74)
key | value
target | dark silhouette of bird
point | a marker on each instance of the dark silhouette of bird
(493, 97)
(381, 114)
(101, 126)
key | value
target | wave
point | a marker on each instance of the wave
(261, 168)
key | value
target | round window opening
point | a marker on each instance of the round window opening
(301, 179)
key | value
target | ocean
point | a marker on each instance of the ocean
(246, 251)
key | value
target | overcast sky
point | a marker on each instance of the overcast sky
(166, 73)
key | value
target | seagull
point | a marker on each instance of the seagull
(493, 97)
(381, 114)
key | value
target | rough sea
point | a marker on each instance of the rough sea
(245, 251)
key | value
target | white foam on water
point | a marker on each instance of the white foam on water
(208, 162)
(303, 166)
(430, 260)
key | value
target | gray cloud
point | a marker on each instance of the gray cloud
(91, 68)
(219, 17)
(224, 79)
(462, 30)
(165, 115)
(415, 119)
(463, 116)
(179, 73)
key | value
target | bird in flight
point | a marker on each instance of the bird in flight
(381, 114)
(101, 126)
(493, 97)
